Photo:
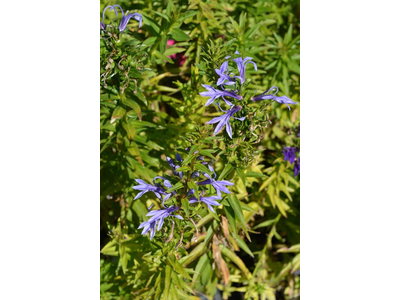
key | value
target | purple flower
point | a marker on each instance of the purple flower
(207, 200)
(103, 25)
(223, 75)
(158, 216)
(148, 226)
(167, 184)
(297, 166)
(171, 162)
(283, 99)
(224, 120)
(214, 94)
(218, 185)
(124, 20)
(241, 64)
(145, 187)
(289, 154)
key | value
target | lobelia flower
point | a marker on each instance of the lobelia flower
(218, 185)
(125, 18)
(282, 100)
(207, 200)
(167, 184)
(241, 65)
(171, 162)
(297, 167)
(215, 94)
(289, 154)
(145, 187)
(224, 120)
(103, 25)
(223, 74)
(158, 216)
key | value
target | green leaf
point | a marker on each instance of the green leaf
(179, 35)
(118, 113)
(182, 169)
(228, 168)
(132, 104)
(129, 128)
(185, 204)
(241, 175)
(242, 244)
(230, 214)
(177, 186)
(254, 174)
(167, 282)
(203, 168)
(208, 154)
(235, 204)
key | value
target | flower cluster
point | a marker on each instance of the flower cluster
(160, 189)
(231, 85)
(125, 17)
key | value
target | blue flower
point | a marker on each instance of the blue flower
(103, 25)
(224, 120)
(282, 100)
(223, 75)
(158, 216)
(171, 162)
(148, 226)
(145, 187)
(218, 185)
(207, 200)
(297, 167)
(241, 65)
(289, 154)
(124, 20)
(167, 184)
(214, 94)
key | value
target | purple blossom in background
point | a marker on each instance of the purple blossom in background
(207, 200)
(158, 216)
(298, 133)
(241, 65)
(171, 162)
(289, 153)
(218, 185)
(145, 187)
(224, 120)
(297, 167)
(223, 75)
(214, 94)
(282, 100)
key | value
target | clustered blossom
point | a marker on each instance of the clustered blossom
(125, 17)
(282, 100)
(229, 80)
(160, 190)
(289, 154)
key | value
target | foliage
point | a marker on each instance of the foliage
(151, 109)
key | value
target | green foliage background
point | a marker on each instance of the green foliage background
(150, 108)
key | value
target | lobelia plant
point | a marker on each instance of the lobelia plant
(222, 215)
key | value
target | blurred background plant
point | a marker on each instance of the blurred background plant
(150, 108)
